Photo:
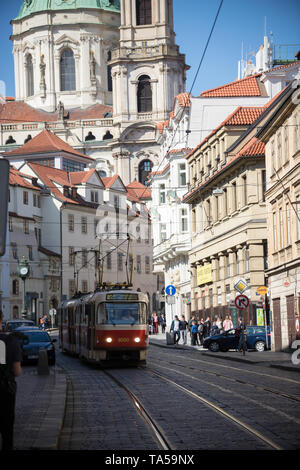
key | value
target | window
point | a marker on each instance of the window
(83, 224)
(281, 227)
(143, 12)
(70, 165)
(279, 149)
(182, 174)
(247, 260)
(25, 198)
(162, 194)
(263, 183)
(163, 232)
(120, 261)
(147, 265)
(286, 144)
(298, 216)
(29, 76)
(71, 256)
(144, 95)
(10, 224)
(116, 202)
(84, 287)
(288, 224)
(145, 168)
(234, 201)
(94, 196)
(84, 257)
(67, 71)
(274, 231)
(139, 264)
(71, 288)
(237, 263)
(225, 200)
(109, 76)
(26, 226)
(227, 267)
(15, 287)
(30, 254)
(71, 222)
(244, 179)
(14, 250)
(219, 294)
(184, 220)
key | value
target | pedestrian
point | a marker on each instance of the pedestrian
(242, 342)
(219, 324)
(155, 323)
(214, 329)
(200, 331)
(163, 322)
(10, 367)
(227, 323)
(206, 327)
(175, 328)
(41, 322)
(183, 329)
(194, 333)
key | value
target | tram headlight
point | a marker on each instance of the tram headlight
(108, 340)
(137, 340)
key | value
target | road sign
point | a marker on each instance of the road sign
(241, 286)
(262, 290)
(241, 302)
(170, 290)
(4, 178)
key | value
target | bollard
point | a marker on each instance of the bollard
(43, 366)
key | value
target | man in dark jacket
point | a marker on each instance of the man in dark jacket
(10, 367)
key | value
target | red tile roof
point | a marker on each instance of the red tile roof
(184, 100)
(17, 178)
(78, 177)
(18, 111)
(241, 116)
(108, 181)
(45, 142)
(245, 87)
(139, 190)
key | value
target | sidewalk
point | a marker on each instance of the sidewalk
(40, 407)
(279, 360)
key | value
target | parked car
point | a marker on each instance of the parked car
(11, 325)
(255, 339)
(35, 339)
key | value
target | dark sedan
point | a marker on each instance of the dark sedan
(35, 340)
(255, 339)
(11, 325)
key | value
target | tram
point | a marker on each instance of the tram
(109, 325)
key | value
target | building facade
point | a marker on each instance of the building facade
(281, 135)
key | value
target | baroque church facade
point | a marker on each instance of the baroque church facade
(100, 74)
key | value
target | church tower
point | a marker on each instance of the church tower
(148, 71)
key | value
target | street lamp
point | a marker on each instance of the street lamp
(24, 272)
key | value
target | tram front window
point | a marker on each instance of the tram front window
(113, 313)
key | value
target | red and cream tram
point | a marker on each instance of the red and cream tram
(104, 326)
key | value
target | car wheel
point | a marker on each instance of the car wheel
(214, 347)
(260, 346)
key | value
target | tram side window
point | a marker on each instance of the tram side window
(101, 314)
(143, 313)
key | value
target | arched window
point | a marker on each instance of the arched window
(109, 76)
(143, 12)
(144, 95)
(67, 71)
(29, 76)
(145, 168)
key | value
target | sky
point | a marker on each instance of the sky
(239, 22)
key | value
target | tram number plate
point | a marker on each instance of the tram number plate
(123, 340)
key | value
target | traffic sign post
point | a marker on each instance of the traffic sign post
(4, 179)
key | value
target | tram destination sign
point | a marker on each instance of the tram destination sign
(122, 296)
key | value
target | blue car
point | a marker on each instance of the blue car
(255, 339)
(35, 339)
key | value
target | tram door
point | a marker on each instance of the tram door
(90, 311)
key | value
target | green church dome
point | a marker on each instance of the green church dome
(35, 6)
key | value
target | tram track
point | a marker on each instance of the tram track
(249, 429)
(241, 381)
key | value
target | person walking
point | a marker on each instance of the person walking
(194, 333)
(242, 342)
(175, 328)
(155, 323)
(227, 323)
(206, 327)
(219, 324)
(10, 367)
(200, 331)
(183, 329)
(163, 322)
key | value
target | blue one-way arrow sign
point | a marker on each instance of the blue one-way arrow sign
(170, 290)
